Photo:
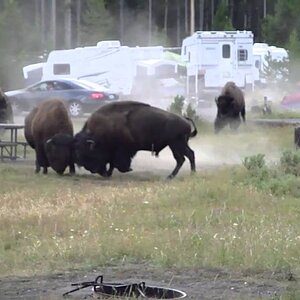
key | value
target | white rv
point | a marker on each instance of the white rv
(108, 63)
(214, 57)
(260, 52)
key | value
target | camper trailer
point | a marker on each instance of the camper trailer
(135, 71)
(108, 63)
(33, 73)
(260, 53)
(214, 57)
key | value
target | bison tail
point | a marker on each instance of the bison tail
(195, 131)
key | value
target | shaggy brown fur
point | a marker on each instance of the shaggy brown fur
(116, 132)
(49, 130)
(230, 107)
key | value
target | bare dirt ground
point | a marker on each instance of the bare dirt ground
(196, 283)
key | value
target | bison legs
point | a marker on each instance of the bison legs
(235, 123)
(189, 153)
(179, 150)
(243, 114)
(72, 169)
(41, 160)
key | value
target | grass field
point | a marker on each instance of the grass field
(216, 218)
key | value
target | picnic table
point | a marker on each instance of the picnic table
(10, 143)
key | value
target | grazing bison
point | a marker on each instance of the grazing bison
(230, 105)
(117, 131)
(6, 113)
(49, 130)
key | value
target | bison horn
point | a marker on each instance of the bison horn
(49, 141)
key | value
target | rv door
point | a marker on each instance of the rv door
(227, 62)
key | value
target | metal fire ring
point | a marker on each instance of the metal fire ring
(133, 290)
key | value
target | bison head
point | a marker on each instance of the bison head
(90, 154)
(59, 151)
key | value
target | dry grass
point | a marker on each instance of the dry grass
(211, 219)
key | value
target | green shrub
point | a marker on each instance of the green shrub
(191, 113)
(290, 162)
(278, 180)
(254, 162)
(177, 105)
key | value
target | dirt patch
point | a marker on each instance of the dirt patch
(197, 283)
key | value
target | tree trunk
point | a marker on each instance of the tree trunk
(212, 10)
(186, 22)
(178, 23)
(78, 23)
(150, 23)
(53, 23)
(121, 21)
(68, 24)
(43, 23)
(192, 28)
(201, 14)
(166, 16)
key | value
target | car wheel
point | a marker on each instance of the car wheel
(75, 109)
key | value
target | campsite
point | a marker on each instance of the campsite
(185, 185)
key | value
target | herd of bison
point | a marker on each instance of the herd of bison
(113, 134)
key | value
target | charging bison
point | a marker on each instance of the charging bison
(49, 130)
(230, 106)
(117, 131)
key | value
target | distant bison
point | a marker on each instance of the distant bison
(116, 132)
(230, 106)
(49, 130)
(6, 113)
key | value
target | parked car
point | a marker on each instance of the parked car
(80, 96)
(291, 101)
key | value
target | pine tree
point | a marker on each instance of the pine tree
(222, 20)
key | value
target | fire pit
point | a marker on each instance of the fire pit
(133, 290)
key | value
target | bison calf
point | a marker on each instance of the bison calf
(49, 130)
(230, 106)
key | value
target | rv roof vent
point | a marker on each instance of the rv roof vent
(109, 44)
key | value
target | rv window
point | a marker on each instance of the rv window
(257, 64)
(61, 69)
(242, 55)
(226, 51)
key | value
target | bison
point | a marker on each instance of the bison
(230, 106)
(49, 130)
(117, 131)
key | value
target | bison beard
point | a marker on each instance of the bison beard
(116, 132)
(230, 107)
